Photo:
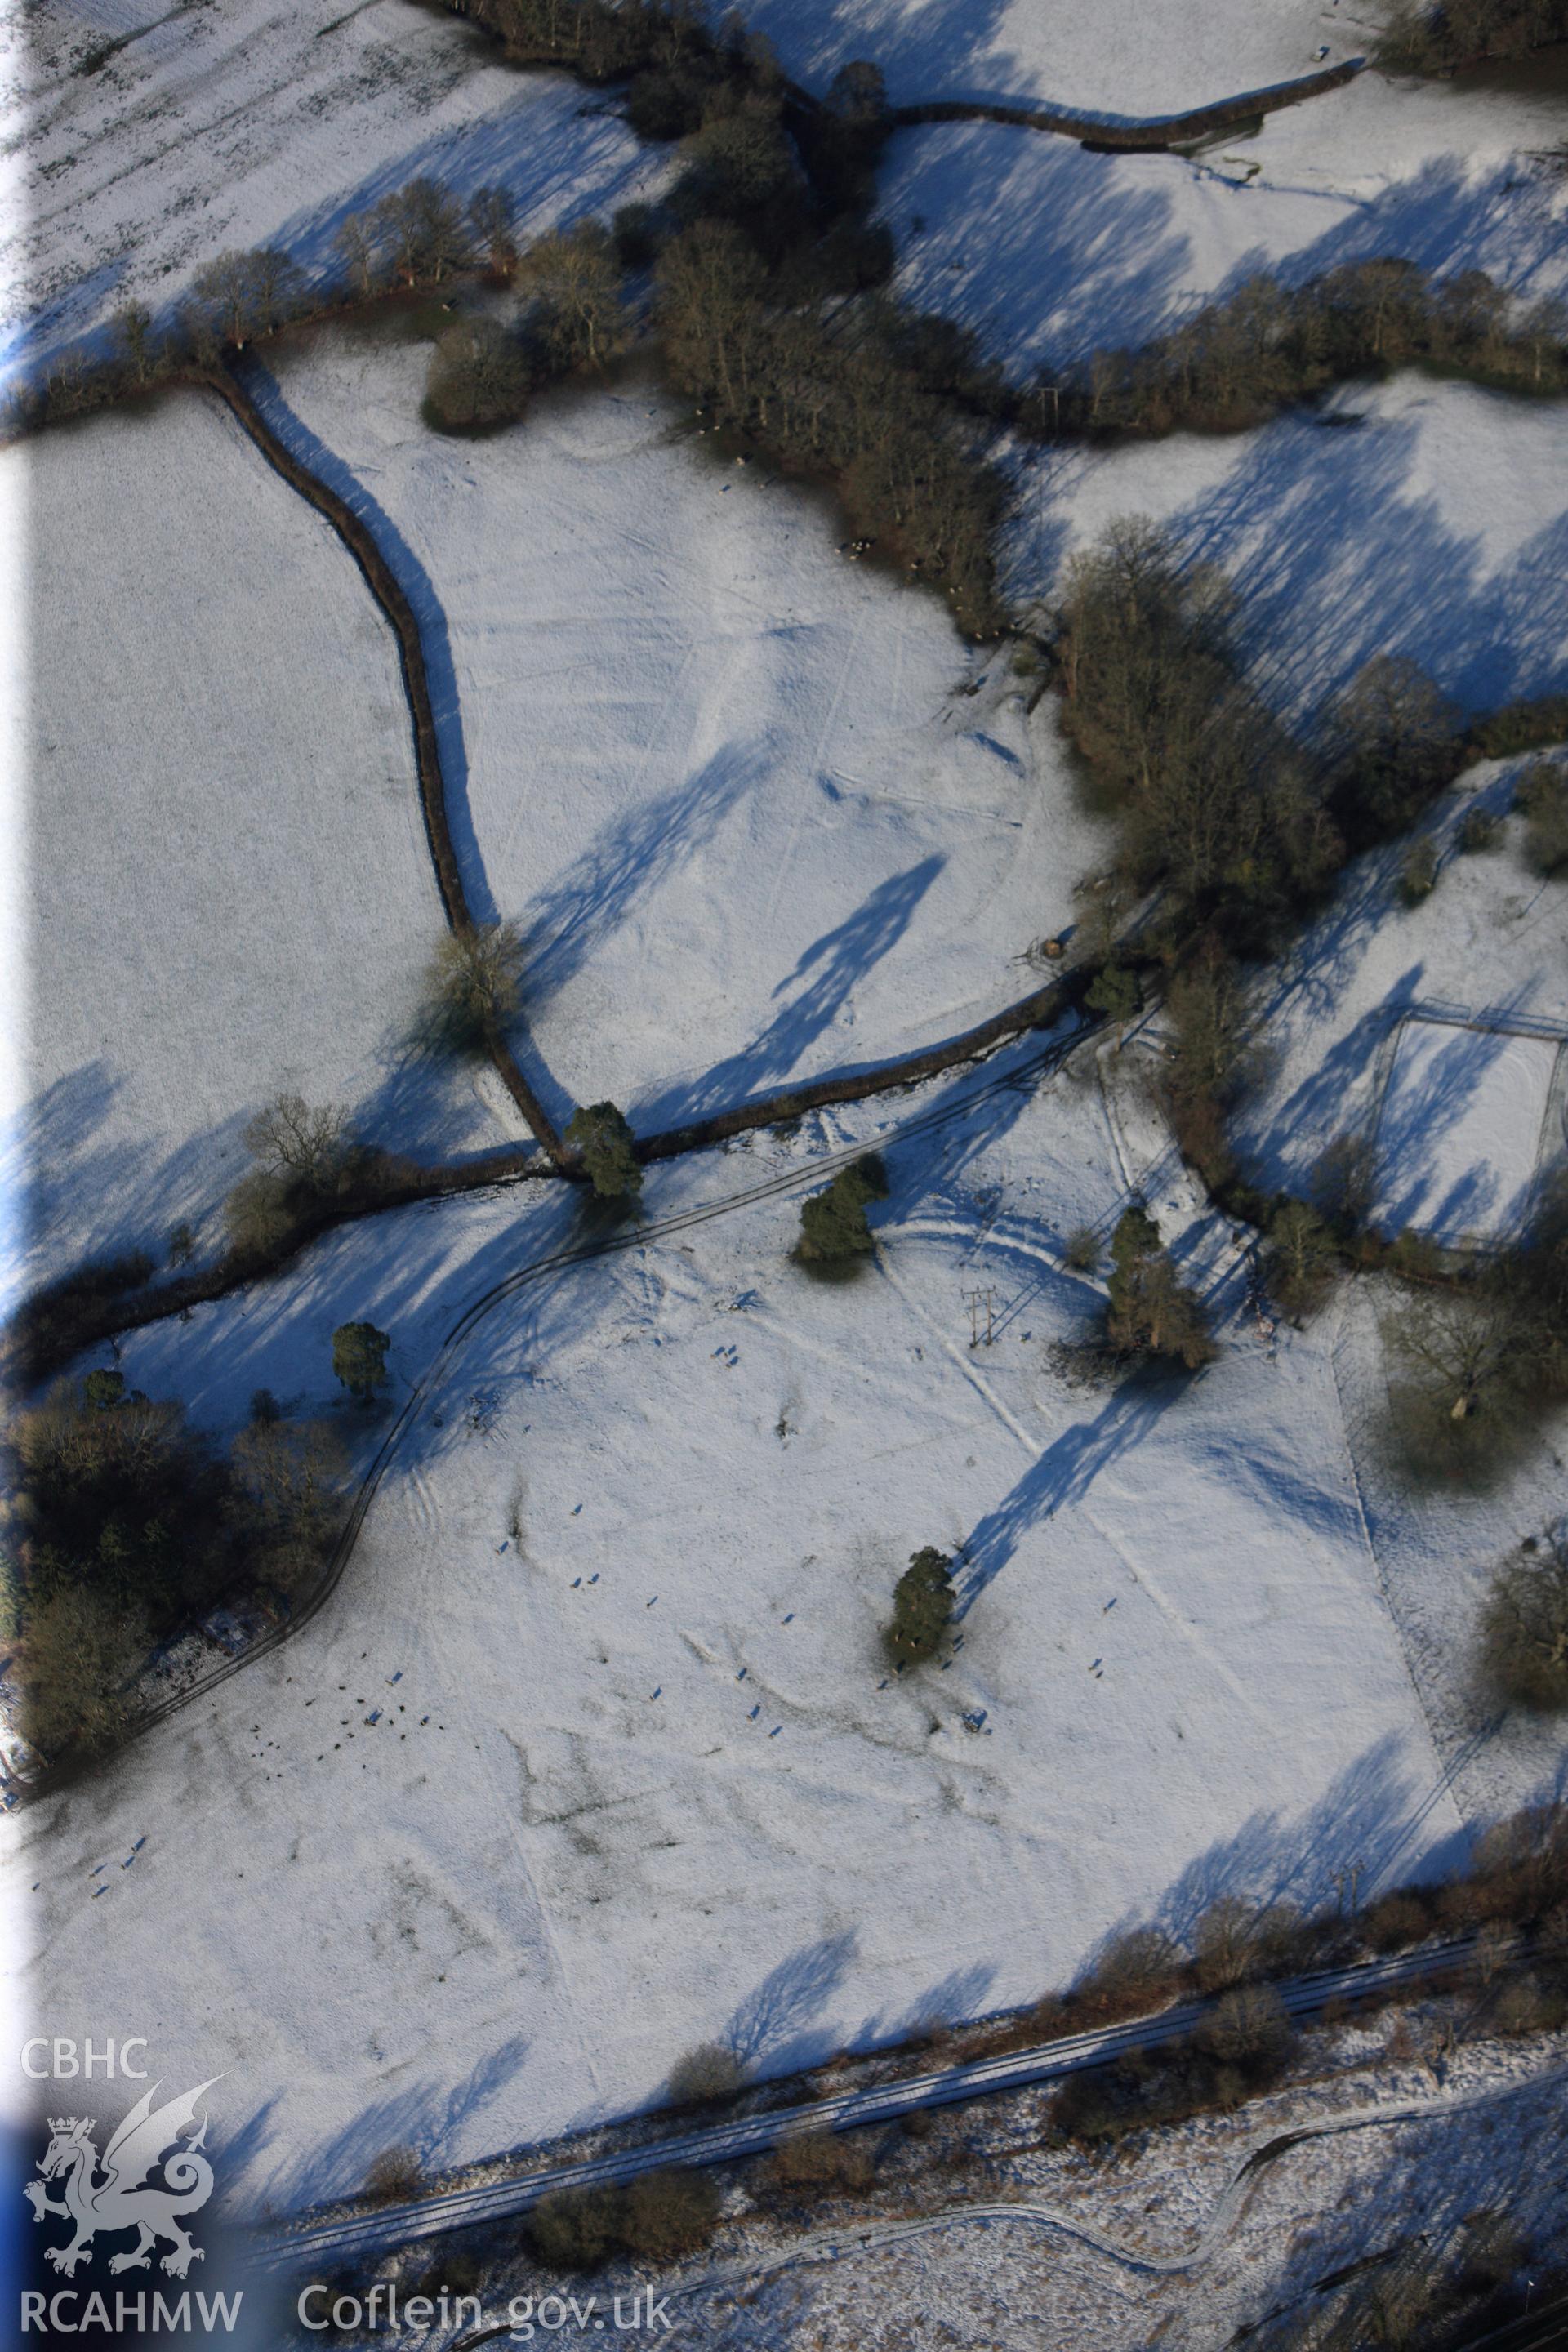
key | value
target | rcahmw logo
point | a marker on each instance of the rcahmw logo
(150, 2179)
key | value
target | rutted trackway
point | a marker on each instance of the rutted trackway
(1022, 1077)
(828, 2245)
(749, 2136)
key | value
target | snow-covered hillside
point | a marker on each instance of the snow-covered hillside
(1048, 250)
(151, 139)
(1414, 516)
(1358, 1026)
(1118, 58)
(228, 890)
(638, 1774)
(596, 1751)
(759, 813)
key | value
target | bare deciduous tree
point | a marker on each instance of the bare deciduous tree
(299, 1144)
(1525, 1625)
(1461, 1352)
(358, 243)
(425, 231)
(491, 213)
(577, 280)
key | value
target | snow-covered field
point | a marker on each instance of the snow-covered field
(1118, 58)
(214, 124)
(1358, 1035)
(639, 1776)
(759, 813)
(730, 785)
(594, 1753)
(1415, 517)
(228, 890)
(1469, 1106)
(1049, 251)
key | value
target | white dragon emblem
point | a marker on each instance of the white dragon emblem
(123, 2199)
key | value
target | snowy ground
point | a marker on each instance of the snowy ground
(592, 1754)
(638, 1777)
(1049, 251)
(1438, 1031)
(730, 785)
(760, 813)
(1119, 59)
(1174, 2241)
(1431, 520)
(1357, 1031)
(213, 124)
(229, 887)
(1470, 1106)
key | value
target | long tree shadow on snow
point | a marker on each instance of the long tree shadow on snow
(1445, 217)
(1372, 1816)
(823, 980)
(1039, 248)
(1049, 251)
(1278, 1137)
(426, 2119)
(1336, 558)
(559, 159)
(781, 2026)
(627, 862)
(1061, 1477)
(78, 1196)
(924, 51)
(1413, 1117)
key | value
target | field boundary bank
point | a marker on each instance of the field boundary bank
(1152, 135)
(736, 2139)
(230, 387)
(1043, 1008)
(1149, 133)
(57, 1777)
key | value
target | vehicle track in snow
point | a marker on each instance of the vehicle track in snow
(831, 2245)
(635, 1237)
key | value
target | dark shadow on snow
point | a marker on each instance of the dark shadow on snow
(816, 994)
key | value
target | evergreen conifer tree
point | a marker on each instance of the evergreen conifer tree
(923, 1605)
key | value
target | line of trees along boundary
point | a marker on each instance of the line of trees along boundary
(1155, 135)
(68, 1768)
(379, 577)
(30, 1357)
